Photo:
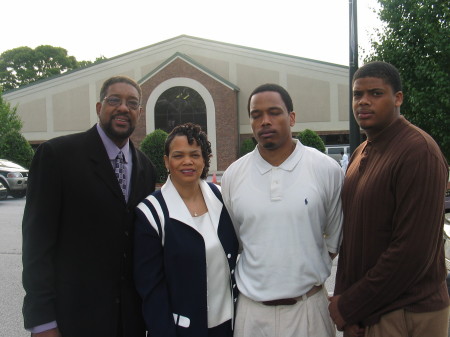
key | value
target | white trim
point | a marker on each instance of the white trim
(182, 321)
(148, 214)
(209, 103)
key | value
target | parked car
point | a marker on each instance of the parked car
(3, 192)
(334, 151)
(14, 177)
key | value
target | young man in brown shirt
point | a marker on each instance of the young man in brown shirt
(391, 273)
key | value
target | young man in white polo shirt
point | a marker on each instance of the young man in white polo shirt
(284, 200)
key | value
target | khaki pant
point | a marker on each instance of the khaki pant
(306, 318)
(402, 323)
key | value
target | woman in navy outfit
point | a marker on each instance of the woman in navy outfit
(186, 247)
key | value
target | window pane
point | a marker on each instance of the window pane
(179, 105)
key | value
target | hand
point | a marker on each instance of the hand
(48, 333)
(334, 312)
(353, 330)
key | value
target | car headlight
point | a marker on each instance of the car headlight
(14, 175)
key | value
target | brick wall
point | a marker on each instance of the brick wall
(225, 103)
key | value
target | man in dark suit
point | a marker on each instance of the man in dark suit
(78, 225)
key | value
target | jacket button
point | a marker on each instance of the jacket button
(229, 256)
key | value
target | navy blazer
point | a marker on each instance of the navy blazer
(170, 261)
(77, 238)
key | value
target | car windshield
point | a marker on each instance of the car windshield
(7, 163)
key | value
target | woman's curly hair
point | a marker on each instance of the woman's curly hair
(192, 132)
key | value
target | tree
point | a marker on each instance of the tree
(88, 63)
(24, 65)
(153, 147)
(13, 146)
(416, 40)
(9, 119)
(310, 138)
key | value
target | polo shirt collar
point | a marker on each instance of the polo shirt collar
(288, 165)
(386, 136)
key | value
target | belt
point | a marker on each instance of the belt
(292, 301)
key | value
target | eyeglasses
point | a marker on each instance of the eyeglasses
(132, 104)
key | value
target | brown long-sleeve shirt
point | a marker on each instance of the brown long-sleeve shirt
(392, 253)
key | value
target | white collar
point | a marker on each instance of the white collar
(288, 165)
(178, 209)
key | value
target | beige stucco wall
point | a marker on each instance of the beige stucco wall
(34, 115)
(71, 110)
(311, 99)
(344, 102)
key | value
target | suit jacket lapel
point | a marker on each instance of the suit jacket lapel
(101, 165)
(136, 172)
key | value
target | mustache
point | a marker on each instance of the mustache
(123, 115)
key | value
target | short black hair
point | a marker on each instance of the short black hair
(383, 70)
(273, 87)
(192, 132)
(119, 79)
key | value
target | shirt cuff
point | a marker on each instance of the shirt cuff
(43, 327)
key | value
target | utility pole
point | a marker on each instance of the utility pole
(355, 135)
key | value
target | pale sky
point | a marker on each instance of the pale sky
(315, 29)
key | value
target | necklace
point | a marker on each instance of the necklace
(195, 203)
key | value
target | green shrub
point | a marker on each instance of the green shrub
(153, 147)
(9, 119)
(248, 145)
(310, 138)
(14, 147)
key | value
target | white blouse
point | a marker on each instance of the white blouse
(217, 272)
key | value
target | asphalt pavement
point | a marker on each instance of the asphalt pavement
(11, 291)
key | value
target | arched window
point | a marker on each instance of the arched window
(179, 105)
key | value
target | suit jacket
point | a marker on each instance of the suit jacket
(77, 239)
(170, 261)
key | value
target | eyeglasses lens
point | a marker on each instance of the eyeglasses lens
(116, 101)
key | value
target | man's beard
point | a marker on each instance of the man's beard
(270, 146)
(114, 134)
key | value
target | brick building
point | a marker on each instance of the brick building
(191, 79)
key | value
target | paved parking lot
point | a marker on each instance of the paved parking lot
(11, 292)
